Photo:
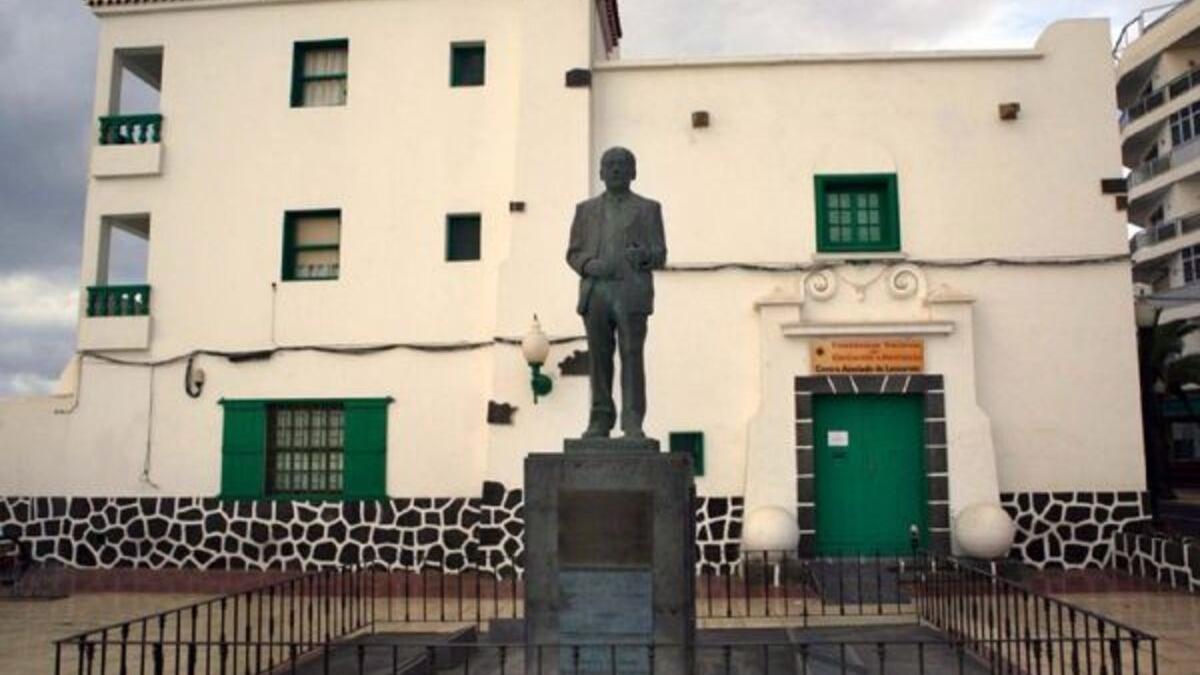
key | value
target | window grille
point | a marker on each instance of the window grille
(305, 448)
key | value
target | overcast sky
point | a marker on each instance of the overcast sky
(47, 67)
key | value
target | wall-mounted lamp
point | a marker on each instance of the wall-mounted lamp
(536, 348)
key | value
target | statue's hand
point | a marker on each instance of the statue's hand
(638, 257)
(595, 268)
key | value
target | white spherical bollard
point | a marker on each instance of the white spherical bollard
(984, 531)
(770, 528)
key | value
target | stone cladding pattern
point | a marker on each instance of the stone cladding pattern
(718, 534)
(454, 534)
(1070, 530)
(1174, 561)
(205, 533)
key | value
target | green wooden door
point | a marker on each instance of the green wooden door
(870, 473)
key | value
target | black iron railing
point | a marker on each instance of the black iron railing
(310, 620)
(1017, 630)
(783, 584)
(251, 631)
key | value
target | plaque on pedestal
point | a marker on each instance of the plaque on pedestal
(609, 554)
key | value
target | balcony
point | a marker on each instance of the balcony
(130, 129)
(1179, 156)
(1156, 98)
(118, 300)
(129, 145)
(117, 317)
(1146, 242)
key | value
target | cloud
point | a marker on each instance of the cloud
(47, 65)
(26, 384)
(32, 356)
(37, 335)
(727, 27)
(28, 301)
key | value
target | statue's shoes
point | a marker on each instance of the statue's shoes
(593, 432)
(635, 434)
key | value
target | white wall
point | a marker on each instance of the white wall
(1053, 363)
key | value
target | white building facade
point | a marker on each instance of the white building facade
(1157, 78)
(895, 288)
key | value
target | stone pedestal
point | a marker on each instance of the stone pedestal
(609, 559)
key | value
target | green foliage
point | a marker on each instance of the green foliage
(1175, 372)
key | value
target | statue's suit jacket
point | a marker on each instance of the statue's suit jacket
(645, 230)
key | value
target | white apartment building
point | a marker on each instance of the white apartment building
(1158, 67)
(895, 288)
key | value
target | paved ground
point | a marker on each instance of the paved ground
(28, 627)
(850, 581)
(1172, 616)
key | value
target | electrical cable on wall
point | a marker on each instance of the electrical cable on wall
(942, 263)
(193, 387)
(145, 478)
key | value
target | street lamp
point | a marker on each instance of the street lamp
(1145, 313)
(536, 348)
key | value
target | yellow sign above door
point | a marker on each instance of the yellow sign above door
(867, 356)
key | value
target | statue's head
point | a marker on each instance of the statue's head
(618, 168)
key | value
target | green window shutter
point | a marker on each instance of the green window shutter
(467, 64)
(288, 271)
(857, 213)
(692, 443)
(243, 450)
(366, 449)
(463, 236)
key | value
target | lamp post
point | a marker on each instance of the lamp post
(536, 348)
(1146, 315)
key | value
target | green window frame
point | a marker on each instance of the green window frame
(857, 213)
(251, 450)
(308, 253)
(320, 73)
(468, 64)
(692, 443)
(464, 237)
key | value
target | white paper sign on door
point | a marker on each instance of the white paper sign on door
(838, 439)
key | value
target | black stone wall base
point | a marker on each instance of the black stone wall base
(451, 533)
(206, 533)
(1171, 561)
(1071, 530)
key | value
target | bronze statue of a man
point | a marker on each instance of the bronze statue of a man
(616, 241)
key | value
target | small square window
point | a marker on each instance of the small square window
(463, 237)
(312, 245)
(467, 64)
(857, 213)
(320, 73)
(691, 442)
